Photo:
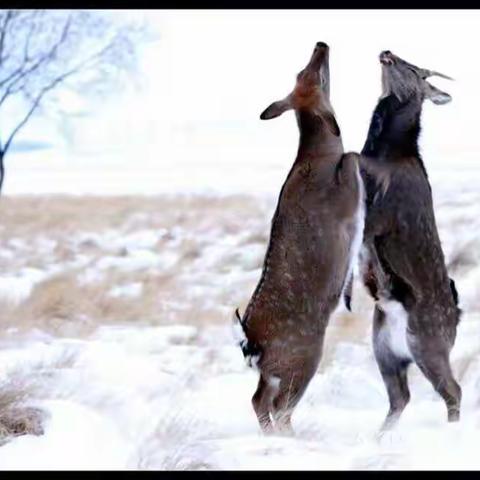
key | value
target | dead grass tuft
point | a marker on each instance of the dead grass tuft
(63, 306)
(16, 417)
(15, 422)
(176, 444)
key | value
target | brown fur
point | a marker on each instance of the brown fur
(307, 259)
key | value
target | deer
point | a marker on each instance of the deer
(316, 233)
(402, 263)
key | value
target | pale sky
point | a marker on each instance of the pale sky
(195, 107)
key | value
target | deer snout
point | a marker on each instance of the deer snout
(319, 56)
(387, 58)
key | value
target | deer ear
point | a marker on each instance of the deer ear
(436, 95)
(329, 119)
(276, 109)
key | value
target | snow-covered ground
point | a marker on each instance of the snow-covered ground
(115, 319)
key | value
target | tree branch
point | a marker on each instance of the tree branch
(40, 51)
(8, 16)
(26, 48)
(21, 72)
(36, 103)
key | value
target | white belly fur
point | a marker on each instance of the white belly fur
(393, 334)
(358, 236)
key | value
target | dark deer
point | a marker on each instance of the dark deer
(316, 230)
(403, 266)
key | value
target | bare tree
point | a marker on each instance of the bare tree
(44, 51)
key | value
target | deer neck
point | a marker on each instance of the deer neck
(316, 140)
(394, 129)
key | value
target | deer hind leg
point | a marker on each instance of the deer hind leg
(291, 389)
(436, 367)
(392, 365)
(262, 403)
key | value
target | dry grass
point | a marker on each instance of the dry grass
(179, 438)
(64, 306)
(16, 417)
(21, 386)
(18, 421)
(187, 227)
(56, 215)
(194, 290)
(177, 441)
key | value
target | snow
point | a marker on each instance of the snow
(134, 260)
(82, 435)
(129, 290)
(152, 397)
(17, 288)
(110, 240)
(177, 396)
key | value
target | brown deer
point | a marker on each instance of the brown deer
(416, 312)
(315, 234)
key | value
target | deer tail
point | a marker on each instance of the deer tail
(251, 351)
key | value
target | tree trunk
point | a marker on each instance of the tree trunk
(2, 171)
